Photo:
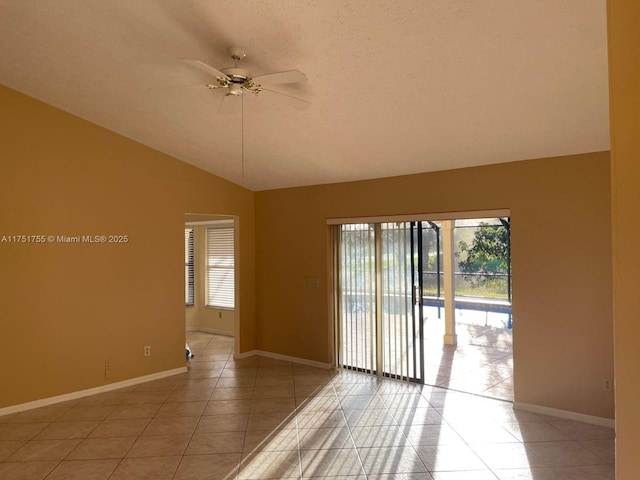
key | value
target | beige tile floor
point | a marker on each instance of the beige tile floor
(263, 418)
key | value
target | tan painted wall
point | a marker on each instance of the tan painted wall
(624, 92)
(561, 257)
(66, 308)
(73, 306)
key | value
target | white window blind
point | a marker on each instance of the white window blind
(220, 268)
(188, 266)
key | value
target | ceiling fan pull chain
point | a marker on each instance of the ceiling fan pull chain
(242, 135)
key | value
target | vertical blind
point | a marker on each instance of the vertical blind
(357, 280)
(378, 327)
(397, 339)
(220, 268)
(188, 266)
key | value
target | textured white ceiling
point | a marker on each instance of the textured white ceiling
(397, 87)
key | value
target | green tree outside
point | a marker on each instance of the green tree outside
(487, 255)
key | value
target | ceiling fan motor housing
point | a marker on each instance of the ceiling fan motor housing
(236, 75)
(238, 78)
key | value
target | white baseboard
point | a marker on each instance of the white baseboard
(44, 402)
(210, 330)
(286, 358)
(565, 414)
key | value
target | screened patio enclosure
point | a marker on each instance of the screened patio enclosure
(482, 270)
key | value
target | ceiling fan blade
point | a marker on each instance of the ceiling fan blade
(299, 101)
(205, 68)
(289, 76)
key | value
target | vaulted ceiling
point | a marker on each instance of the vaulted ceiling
(396, 87)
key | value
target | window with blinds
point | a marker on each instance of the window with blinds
(188, 266)
(220, 267)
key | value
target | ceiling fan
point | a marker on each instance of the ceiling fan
(238, 80)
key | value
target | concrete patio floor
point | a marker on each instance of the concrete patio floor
(481, 362)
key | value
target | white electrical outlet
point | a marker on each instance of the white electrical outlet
(147, 350)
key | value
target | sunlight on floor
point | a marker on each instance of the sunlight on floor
(262, 418)
(481, 362)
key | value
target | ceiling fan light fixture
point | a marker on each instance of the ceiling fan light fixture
(235, 89)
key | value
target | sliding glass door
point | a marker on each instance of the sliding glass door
(378, 298)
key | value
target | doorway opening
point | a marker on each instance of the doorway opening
(479, 359)
(427, 301)
(211, 275)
